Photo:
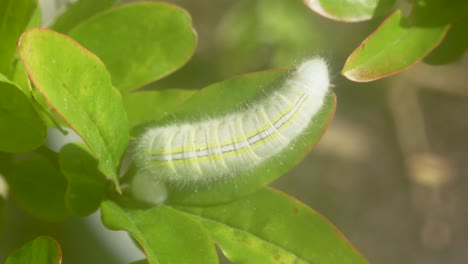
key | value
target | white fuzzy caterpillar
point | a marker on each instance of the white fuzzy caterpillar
(217, 148)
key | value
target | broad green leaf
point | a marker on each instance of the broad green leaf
(48, 116)
(167, 236)
(78, 88)
(14, 17)
(454, 45)
(46, 111)
(350, 10)
(139, 43)
(270, 227)
(86, 185)
(42, 250)
(395, 45)
(79, 11)
(39, 188)
(229, 96)
(21, 128)
(148, 106)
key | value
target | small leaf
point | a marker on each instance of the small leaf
(167, 236)
(350, 10)
(395, 45)
(270, 227)
(39, 188)
(14, 17)
(21, 128)
(86, 185)
(148, 106)
(139, 43)
(77, 86)
(42, 250)
(224, 98)
(79, 11)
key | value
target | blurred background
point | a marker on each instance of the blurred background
(391, 172)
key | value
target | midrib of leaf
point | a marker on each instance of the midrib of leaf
(198, 217)
(88, 116)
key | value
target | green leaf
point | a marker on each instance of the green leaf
(167, 236)
(42, 250)
(86, 185)
(6, 162)
(21, 128)
(36, 18)
(350, 10)
(3, 214)
(39, 188)
(146, 106)
(17, 71)
(224, 98)
(270, 227)
(20, 77)
(429, 13)
(14, 17)
(78, 88)
(395, 45)
(454, 45)
(79, 11)
(139, 43)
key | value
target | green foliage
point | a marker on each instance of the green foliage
(81, 93)
(140, 106)
(393, 47)
(146, 58)
(79, 11)
(31, 181)
(42, 250)
(86, 185)
(162, 223)
(401, 41)
(14, 17)
(25, 130)
(250, 230)
(81, 79)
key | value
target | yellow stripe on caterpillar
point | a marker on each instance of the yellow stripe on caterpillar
(211, 150)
